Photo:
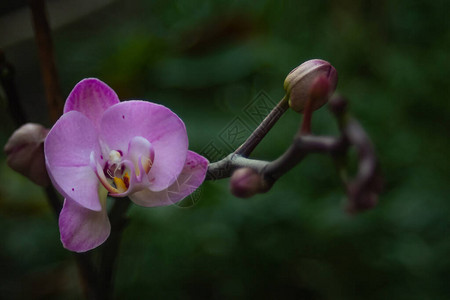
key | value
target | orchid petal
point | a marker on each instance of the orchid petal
(158, 125)
(191, 177)
(68, 147)
(91, 97)
(83, 229)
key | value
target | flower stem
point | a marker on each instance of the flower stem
(110, 249)
(307, 117)
(260, 132)
(301, 146)
(46, 58)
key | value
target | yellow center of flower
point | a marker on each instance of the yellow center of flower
(117, 179)
(123, 183)
(118, 174)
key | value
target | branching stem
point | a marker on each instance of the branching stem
(362, 190)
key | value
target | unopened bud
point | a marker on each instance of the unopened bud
(320, 90)
(25, 153)
(246, 182)
(303, 82)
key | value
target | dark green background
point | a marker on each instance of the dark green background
(207, 60)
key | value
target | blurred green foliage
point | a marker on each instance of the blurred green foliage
(206, 61)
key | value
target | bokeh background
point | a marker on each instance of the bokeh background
(208, 61)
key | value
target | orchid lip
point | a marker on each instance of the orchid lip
(124, 173)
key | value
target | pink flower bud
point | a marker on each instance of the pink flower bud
(245, 183)
(320, 89)
(302, 82)
(25, 153)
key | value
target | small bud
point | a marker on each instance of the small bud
(246, 182)
(364, 190)
(338, 105)
(302, 82)
(25, 153)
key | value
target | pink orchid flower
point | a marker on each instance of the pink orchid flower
(101, 146)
